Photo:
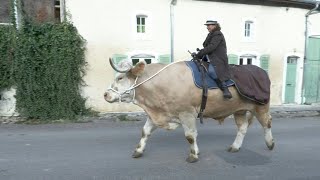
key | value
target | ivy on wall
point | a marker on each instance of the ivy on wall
(50, 65)
(7, 44)
(6, 56)
(46, 63)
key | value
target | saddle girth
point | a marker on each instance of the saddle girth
(203, 70)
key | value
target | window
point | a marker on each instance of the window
(57, 15)
(141, 23)
(245, 61)
(148, 61)
(59, 10)
(248, 27)
(44, 10)
(292, 59)
(135, 61)
(248, 59)
(140, 57)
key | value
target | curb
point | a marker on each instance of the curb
(295, 110)
(288, 111)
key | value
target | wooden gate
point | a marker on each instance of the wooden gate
(312, 74)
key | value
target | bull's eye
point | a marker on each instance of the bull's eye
(120, 78)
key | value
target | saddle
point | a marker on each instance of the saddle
(210, 75)
(251, 82)
(204, 77)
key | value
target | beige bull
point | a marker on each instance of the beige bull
(169, 97)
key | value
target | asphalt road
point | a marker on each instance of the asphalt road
(102, 150)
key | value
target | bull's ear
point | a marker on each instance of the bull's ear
(138, 69)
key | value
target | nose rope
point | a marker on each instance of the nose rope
(135, 85)
(127, 91)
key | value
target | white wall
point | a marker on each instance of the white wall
(279, 30)
(109, 28)
(314, 24)
(8, 103)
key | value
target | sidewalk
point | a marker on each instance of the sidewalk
(277, 111)
(295, 110)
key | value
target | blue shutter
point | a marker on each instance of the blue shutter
(119, 57)
(233, 59)
(264, 62)
(165, 59)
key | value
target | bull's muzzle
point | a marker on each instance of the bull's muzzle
(107, 96)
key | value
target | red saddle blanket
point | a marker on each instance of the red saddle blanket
(252, 82)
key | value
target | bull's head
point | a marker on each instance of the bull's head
(121, 89)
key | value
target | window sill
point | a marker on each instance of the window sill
(248, 40)
(142, 37)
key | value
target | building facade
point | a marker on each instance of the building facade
(268, 34)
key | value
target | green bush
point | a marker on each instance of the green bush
(49, 67)
(6, 56)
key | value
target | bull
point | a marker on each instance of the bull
(170, 99)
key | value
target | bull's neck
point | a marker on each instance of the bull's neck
(147, 88)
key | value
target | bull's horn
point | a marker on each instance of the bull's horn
(117, 69)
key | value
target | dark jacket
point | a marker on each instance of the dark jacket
(215, 47)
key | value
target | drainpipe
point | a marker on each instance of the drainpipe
(17, 13)
(172, 4)
(305, 60)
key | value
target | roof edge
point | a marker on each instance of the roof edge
(304, 4)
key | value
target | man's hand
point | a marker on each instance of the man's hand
(194, 55)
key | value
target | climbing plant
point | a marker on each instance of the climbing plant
(50, 64)
(6, 56)
(46, 63)
(7, 36)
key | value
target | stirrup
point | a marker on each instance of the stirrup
(227, 94)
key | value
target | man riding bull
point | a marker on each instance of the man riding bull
(215, 51)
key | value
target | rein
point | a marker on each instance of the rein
(135, 85)
(202, 68)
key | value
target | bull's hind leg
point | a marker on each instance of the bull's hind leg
(242, 124)
(188, 122)
(148, 128)
(265, 119)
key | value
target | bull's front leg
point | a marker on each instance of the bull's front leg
(148, 128)
(191, 133)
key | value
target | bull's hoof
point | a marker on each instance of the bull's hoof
(136, 154)
(233, 150)
(192, 159)
(271, 146)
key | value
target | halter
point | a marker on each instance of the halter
(127, 91)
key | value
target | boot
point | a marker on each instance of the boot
(225, 90)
